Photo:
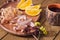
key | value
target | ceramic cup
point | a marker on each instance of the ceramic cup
(53, 14)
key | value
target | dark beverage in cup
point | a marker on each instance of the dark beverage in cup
(53, 14)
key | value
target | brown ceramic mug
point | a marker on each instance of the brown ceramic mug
(53, 14)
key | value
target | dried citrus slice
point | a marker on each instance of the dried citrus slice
(20, 3)
(35, 6)
(25, 4)
(32, 12)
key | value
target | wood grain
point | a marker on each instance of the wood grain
(14, 37)
(52, 30)
(2, 33)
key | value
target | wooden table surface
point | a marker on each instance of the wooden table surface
(52, 30)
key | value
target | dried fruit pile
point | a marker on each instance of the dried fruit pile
(29, 8)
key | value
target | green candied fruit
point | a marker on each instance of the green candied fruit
(37, 23)
(43, 30)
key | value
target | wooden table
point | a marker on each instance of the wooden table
(52, 30)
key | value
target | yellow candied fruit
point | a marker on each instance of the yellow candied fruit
(25, 4)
